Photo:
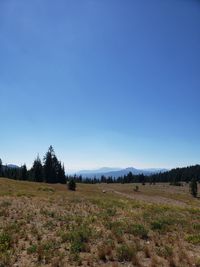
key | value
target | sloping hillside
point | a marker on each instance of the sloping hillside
(47, 225)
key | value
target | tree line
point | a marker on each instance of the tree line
(51, 170)
(174, 177)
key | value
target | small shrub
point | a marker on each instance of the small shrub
(105, 250)
(48, 213)
(46, 250)
(194, 239)
(78, 238)
(5, 259)
(101, 253)
(111, 211)
(161, 224)
(138, 230)
(193, 187)
(49, 225)
(72, 185)
(196, 227)
(165, 251)
(5, 242)
(4, 213)
(125, 253)
(5, 204)
(32, 249)
(117, 228)
(64, 236)
(157, 225)
(77, 246)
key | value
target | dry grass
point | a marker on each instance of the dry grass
(47, 225)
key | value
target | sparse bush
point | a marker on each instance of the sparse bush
(46, 250)
(5, 259)
(165, 251)
(48, 213)
(138, 230)
(157, 225)
(5, 204)
(5, 241)
(105, 250)
(32, 249)
(196, 227)
(101, 253)
(77, 246)
(111, 211)
(194, 239)
(162, 224)
(126, 253)
(117, 228)
(78, 238)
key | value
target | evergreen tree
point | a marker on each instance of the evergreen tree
(193, 187)
(72, 185)
(54, 172)
(142, 179)
(49, 171)
(37, 170)
(24, 173)
(1, 168)
(61, 178)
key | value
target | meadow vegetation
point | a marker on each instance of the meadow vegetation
(49, 225)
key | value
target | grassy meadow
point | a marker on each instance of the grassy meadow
(47, 225)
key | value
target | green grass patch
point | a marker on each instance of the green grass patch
(138, 230)
(194, 239)
(5, 241)
(32, 249)
(125, 253)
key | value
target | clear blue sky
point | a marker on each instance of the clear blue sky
(107, 83)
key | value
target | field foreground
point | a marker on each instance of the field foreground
(47, 225)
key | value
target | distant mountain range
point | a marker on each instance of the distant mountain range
(117, 172)
(12, 166)
(108, 171)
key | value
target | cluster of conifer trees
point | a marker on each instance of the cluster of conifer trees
(174, 177)
(51, 171)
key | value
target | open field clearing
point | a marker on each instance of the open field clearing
(47, 225)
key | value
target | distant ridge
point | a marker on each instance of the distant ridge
(12, 166)
(117, 172)
(101, 170)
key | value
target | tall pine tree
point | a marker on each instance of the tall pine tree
(54, 172)
(37, 170)
(193, 187)
(24, 172)
(49, 171)
(1, 168)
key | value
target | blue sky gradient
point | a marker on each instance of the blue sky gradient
(107, 83)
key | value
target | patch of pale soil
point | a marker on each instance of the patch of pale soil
(152, 199)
